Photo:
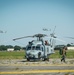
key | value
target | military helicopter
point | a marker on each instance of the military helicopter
(39, 49)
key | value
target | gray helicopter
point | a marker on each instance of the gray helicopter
(39, 49)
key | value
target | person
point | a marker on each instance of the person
(63, 54)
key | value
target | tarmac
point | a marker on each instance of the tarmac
(23, 67)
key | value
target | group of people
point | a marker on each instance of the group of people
(63, 53)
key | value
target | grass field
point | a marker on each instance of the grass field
(21, 55)
(12, 55)
(69, 54)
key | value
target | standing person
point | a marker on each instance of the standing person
(63, 54)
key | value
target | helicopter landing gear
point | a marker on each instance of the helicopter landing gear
(28, 59)
(46, 58)
(39, 55)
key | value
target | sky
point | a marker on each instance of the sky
(20, 18)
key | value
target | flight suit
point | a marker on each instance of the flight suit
(63, 55)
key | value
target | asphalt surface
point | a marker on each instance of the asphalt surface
(22, 67)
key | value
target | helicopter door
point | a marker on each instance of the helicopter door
(46, 50)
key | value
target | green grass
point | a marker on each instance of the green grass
(21, 55)
(69, 54)
(12, 55)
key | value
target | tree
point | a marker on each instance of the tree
(68, 45)
(17, 47)
(9, 46)
(3, 48)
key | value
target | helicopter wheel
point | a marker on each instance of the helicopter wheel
(28, 59)
(44, 59)
(39, 55)
(47, 57)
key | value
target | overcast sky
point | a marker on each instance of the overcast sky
(28, 17)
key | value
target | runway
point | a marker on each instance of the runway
(36, 71)
(16, 67)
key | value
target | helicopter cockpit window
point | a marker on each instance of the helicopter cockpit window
(37, 47)
(33, 47)
(29, 48)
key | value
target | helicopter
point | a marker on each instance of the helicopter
(39, 49)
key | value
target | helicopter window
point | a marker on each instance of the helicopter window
(29, 48)
(33, 47)
(37, 47)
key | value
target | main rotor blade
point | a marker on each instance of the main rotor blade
(21, 38)
(56, 38)
(60, 40)
(36, 35)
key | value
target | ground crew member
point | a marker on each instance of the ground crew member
(63, 54)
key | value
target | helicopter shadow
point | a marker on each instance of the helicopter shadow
(27, 61)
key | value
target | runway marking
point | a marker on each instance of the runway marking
(36, 64)
(36, 71)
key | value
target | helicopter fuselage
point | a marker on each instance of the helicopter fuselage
(38, 50)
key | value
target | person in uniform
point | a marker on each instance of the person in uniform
(63, 54)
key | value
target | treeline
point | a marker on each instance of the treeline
(5, 47)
